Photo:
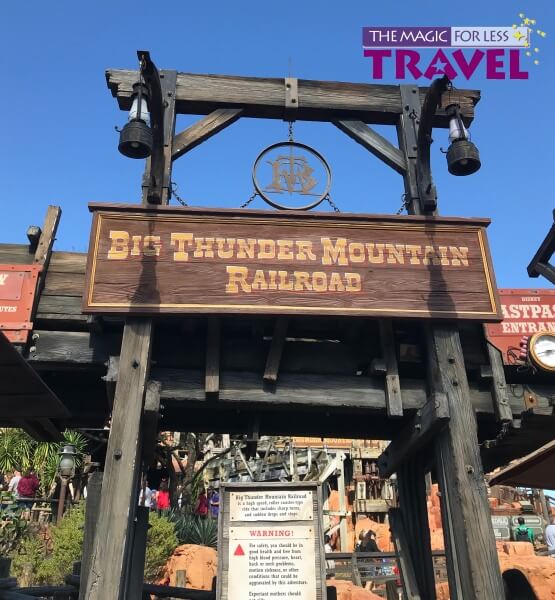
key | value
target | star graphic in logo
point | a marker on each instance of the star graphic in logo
(439, 67)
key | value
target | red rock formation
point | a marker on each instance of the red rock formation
(200, 564)
(348, 591)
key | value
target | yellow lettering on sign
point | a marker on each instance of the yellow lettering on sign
(152, 245)
(354, 284)
(414, 252)
(204, 247)
(459, 255)
(246, 248)
(284, 250)
(334, 252)
(395, 253)
(375, 253)
(267, 249)
(181, 240)
(304, 250)
(222, 252)
(119, 250)
(237, 277)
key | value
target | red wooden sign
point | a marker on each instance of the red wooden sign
(17, 294)
(525, 312)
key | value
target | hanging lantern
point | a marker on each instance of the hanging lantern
(463, 157)
(66, 465)
(135, 140)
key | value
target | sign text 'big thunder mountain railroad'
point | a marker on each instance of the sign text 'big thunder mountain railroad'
(185, 260)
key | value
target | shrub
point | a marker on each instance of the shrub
(160, 544)
(31, 551)
(191, 529)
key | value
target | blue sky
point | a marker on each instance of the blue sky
(59, 117)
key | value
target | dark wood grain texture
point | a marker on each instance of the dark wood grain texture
(276, 350)
(265, 97)
(392, 384)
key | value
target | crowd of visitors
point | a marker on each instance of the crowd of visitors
(21, 486)
(208, 505)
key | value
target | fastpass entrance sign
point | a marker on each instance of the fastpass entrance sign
(184, 260)
(271, 542)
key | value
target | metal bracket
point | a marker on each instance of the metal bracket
(291, 98)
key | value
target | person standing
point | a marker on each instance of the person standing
(145, 496)
(214, 504)
(550, 538)
(523, 533)
(163, 498)
(330, 564)
(202, 506)
(28, 485)
(14, 482)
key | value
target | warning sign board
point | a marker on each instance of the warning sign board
(271, 542)
(272, 562)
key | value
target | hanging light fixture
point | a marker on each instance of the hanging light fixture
(66, 465)
(463, 157)
(135, 139)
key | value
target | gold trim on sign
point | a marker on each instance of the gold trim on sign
(287, 221)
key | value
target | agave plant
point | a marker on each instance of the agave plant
(191, 529)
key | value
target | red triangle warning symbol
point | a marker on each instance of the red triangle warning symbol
(239, 551)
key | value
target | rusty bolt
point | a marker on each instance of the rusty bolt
(469, 469)
(418, 427)
(451, 360)
(455, 382)
(118, 454)
(135, 363)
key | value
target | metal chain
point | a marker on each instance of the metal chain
(404, 205)
(177, 196)
(502, 433)
(331, 203)
(245, 204)
(290, 131)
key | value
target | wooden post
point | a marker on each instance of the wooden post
(62, 500)
(342, 504)
(472, 562)
(92, 508)
(107, 577)
(137, 564)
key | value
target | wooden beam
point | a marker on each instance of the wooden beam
(393, 397)
(375, 143)
(151, 416)
(107, 577)
(92, 508)
(406, 567)
(430, 419)
(411, 487)
(500, 397)
(203, 130)
(212, 375)
(265, 97)
(111, 379)
(472, 559)
(276, 350)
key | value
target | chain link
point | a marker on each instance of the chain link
(290, 131)
(404, 205)
(176, 195)
(245, 204)
(331, 203)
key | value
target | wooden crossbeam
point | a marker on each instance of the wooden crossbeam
(204, 129)
(276, 350)
(151, 415)
(393, 398)
(500, 396)
(265, 98)
(375, 143)
(428, 420)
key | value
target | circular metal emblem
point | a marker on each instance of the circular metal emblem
(290, 175)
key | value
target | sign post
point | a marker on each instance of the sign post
(271, 542)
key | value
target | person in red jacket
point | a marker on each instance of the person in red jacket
(163, 498)
(28, 485)
(202, 506)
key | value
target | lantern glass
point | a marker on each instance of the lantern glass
(143, 114)
(457, 130)
(66, 466)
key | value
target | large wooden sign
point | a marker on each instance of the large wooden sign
(271, 542)
(525, 312)
(181, 260)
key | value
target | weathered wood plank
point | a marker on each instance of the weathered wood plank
(151, 416)
(428, 420)
(92, 508)
(472, 558)
(63, 284)
(375, 143)
(499, 393)
(276, 350)
(68, 262)
(265, 97)
(48, 236)
(392, 384)
(212, 373)
(63, 305)
(15, 254)
(406, 566)
(203, 130)
(112, 540)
